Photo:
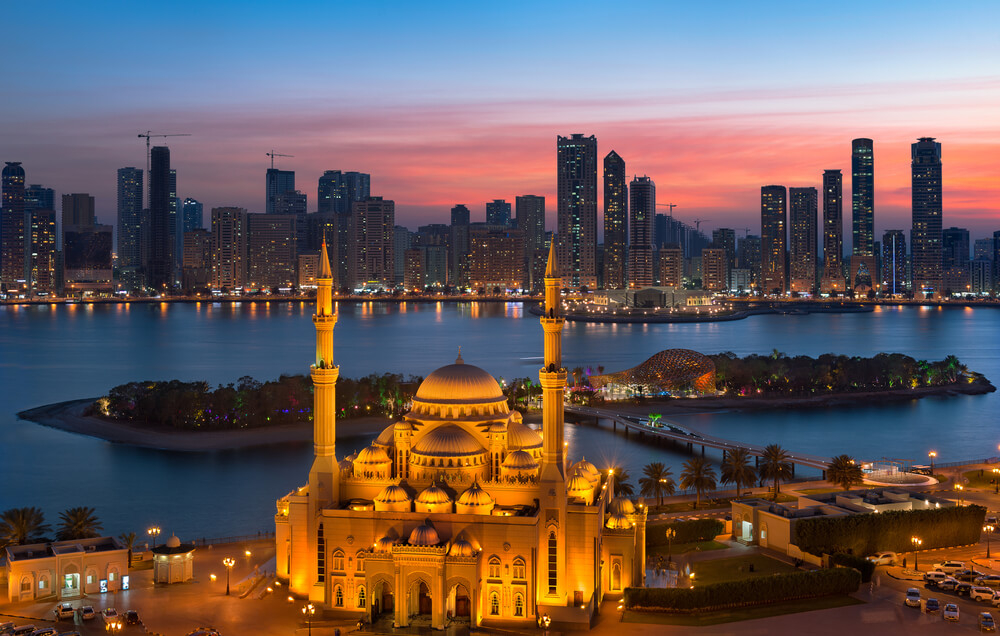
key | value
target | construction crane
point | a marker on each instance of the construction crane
(668, 205)
(274, 154)
(746, 231)
(147, 135)
(698, 222)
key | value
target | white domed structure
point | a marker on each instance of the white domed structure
(579, 486)
(393, 498)
(173, 541)
(433, 499)
(519, 465)
(424, 535)
(589, 471)
(475, 501)
(373, 463)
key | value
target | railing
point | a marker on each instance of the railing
(235, 539)
(967, 462)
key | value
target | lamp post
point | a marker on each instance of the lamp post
(988, 529)
(671, 533)
(959, 488)
(309, 611)
(996, 481)
(153, 532)
(229, 562)
(932, 455)
(916, 541)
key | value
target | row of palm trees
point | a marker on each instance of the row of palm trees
(27, 525)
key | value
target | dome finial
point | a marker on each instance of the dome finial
(459, 359)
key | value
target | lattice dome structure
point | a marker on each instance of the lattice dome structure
(668, 370)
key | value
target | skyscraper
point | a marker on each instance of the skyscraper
(277, 182)
(725, 238)
(863, 273)
(496, 257)
(748, 257)
(159, 267)
(802, 239)
(925, 235)
(42, 274)
(77, 210)
(229, 248)
(373, 243)
(338, 191)
(37, 197)
(291, 202)
(955, 260)
(576, 172)
(530, 211)
(14, 233)
(130, 228)
(832, 279)
(192, 215)
(893, 262)
(498, 212)
(773, 239)
(615, 222)
(271, 251)
(641, 226)
(460, 246)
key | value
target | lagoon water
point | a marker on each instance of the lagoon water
(55, 353)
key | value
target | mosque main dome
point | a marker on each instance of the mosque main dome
(459, 383)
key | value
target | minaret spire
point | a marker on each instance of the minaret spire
(323, 478)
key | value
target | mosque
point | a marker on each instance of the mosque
(459, 512)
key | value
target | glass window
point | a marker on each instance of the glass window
(518, 605)
(553, 564)
(338, 561)
(338, 594)
(519, 568)
(360, 561)
(361, 597)
(320, 555)
(90, 579)
(494, 604)
(494, 572)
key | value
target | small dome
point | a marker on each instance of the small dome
(459, 383)
(433, 495)
(393, 494)
(520, 460)
(424, 535)
(618, 522)
(385, 438)
(448, 441)
(622, 505)
(475, 496)
(589, 470)
(372, 455)
(383, 545)
(519, 436)
(173, 541)
(346, 464)
(461, 548)
(402, 425)
(497, 427)
(578, 484)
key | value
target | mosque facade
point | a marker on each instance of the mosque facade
(459, 512)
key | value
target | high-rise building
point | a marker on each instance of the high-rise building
(660, 228)
(308, 270)
(498, 212)
(671, 265)
(37, 197)
(229, 248)
(372, 246)
(291, 202)
(748, 257)
(893, 262)
(863, 272)
(925, 236)
(996, 261)
(159, 266)
(192, 215)
(436, 265)
(402, 240)
(338, 191)
(641, 226)
(176, 231)
(130, 229)
(725, 238)
(87, 260)
(981, 275)
(196, 261)
(713, 269)
(77, 211)
(773, 239)
(271, 251)
(983, 249)
(832, 280)
(576, 172)
(496, 258)
(803, 210)
(14, 233)
(616, 222)
(413, 275)
(460, 217)
(955, 260)
(276, 183)
(530, 215)
(42, 276)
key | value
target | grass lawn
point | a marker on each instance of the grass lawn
(681, 548)
(977, 481)
(817, 491)
(710, 504)
(730, 616)
(737, 569)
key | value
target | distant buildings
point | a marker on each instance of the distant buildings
(925, 235)
(13, 236)
(229, 248)
(159, 260)
(773, 241)
(955, 261)
(460, 218)
(496, 258)
(642, 214)
(498, 212)
(802, 239)
(87, 264)
(748, 257)
(372, 243)
(42, 278)
(615, 222)
(196, 262)
(271, 253)
(530, 211)
(713, 269)
(671, 266)
(276, 183)
(725, 238)
(338, 191)
(192, 215)
(576, 176)
(863, 271)
(130, 263)
(832, 280)
(894, 262)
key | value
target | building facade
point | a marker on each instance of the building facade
(87, 260)
(373, 245)
(65, 570)
(13, 229)
(925, 235)
(576, 176)
(196, 265)
(863, 274)
(773, 239)
(615, 222)
(955, 261)
(498, 212)
(496, 258)
(229, 248)
(803, 211)
(641, 230)
(671, 266)
(832, 280)
(271, 253)
(159, 258)
(713, 269)
(894, 262)
(276, 183)
(530, 214)
(130, 182)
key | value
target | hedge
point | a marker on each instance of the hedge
(686, 531)
(863, 534)
(756, 591)
(866, 567)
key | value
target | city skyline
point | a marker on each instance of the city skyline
(710, 128)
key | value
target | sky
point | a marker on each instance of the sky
(447, 103)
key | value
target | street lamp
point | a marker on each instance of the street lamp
(671, 533)
(309, 611)
(153, 532)
(988, 529)
(996, 481)
(932, 455)
(960, 489)
(229, 562)
(916, 541)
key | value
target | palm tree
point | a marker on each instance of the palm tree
(622, 487)
(128, 540)
(78, 523)
(700, 475)
(845, 472)
(21, 525)
(657, 481)
(776, 466)
(736, 469)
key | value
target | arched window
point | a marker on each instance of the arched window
(518, 605)
(338, 596)
(553, 563)
(338, 561)
(616, 576)
(320, 555)
(25, 584)
(494, 604)
(361, 597)
(360, 561)
(519, 568)
(494, 571)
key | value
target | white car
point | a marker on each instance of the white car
(949, 567)
(87, 613)
(883, 558)
(912, 597)
(950, 612)
(64, 610)
(110, 615)
(934, 577)
(980, 593)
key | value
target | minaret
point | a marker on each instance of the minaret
(552, 530)
(324, 486)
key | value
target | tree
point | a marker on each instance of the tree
(699, 475)
(128, 540)
(622, 487)
(78, 523)
(656, 482)
(22, 525)
(776, 465)
(845, 472)
(736, 469)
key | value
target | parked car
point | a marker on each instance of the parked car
(963, 589)
(948, 583)
(949, 566)
(73, 633)
(132, 617)
(23, 630)
(981, 593)
(64, 610)
(110, 615)
(967, 575)
(986, 623)
(883, 558)
(6, 628)
(204, 631)
(87, 613)
(991, 518)
(950, 612)
(992, 580)
(912, 597)
(45, 631)
(932, 606)
(934, 577)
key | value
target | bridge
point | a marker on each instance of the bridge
(677, 433)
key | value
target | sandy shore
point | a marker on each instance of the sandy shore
(69, 417)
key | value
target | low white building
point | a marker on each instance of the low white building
(173, 562)
(66, 569)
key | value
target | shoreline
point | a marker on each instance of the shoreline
(68, 417)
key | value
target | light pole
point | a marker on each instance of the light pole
(996, 481)
(671, 533)
(229, 562)
(916, 541)
(153, 532)
(932, 455)
(309, 611)
(988, 529)
(960, 489)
